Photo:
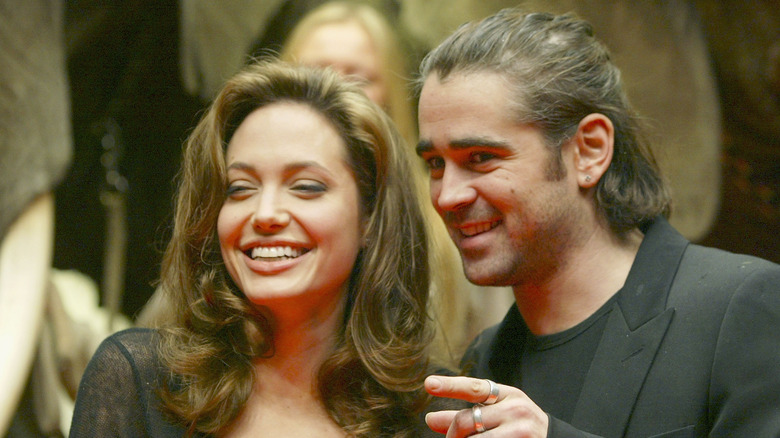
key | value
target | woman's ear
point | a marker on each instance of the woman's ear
(593, 148)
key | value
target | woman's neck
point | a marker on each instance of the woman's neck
(285, 399)
(302, 341)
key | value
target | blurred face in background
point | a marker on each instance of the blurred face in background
(347, 48)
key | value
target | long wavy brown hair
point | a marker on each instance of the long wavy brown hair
(371, 382)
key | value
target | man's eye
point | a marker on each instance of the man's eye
(481, 157)
(435, 163)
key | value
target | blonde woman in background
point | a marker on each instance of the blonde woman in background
(358, 42)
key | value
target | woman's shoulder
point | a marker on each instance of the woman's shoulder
(137, 341)
(116, 389)
(133, 349)
(135, 337)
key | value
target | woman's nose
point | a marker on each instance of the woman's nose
(270, 215)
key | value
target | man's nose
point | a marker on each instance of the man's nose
(453, 190)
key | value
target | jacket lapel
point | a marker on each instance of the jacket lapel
(634, 331)
(617, 372)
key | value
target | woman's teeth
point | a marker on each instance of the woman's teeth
(276, 252)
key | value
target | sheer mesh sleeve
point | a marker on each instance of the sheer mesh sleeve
(113, 395)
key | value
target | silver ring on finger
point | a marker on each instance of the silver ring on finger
(493, 394)
(476, 414)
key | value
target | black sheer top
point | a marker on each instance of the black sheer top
(117, 394)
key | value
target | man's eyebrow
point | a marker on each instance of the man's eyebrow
(471, 142)
(426, 146)
(423, 146)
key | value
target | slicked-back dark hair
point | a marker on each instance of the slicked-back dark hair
(558, 73)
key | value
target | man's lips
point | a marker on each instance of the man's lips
(472, 229)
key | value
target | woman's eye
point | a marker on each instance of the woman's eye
(309, 187)
(235, 190)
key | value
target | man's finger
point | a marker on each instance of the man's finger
(440, 421)
(465, 388)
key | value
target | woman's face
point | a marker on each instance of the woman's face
(347, 48)
(290, 227)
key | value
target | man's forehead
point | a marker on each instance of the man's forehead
(462, 78)
(469, 73)
(466, 89)
(463, 110)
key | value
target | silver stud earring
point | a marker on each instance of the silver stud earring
(587, 178)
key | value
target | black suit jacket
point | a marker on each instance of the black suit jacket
(691, 348)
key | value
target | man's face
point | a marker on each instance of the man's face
(491, 181)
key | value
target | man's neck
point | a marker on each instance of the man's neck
(588, 277)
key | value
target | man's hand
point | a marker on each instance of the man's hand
(513, 414)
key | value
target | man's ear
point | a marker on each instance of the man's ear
(593, 148)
